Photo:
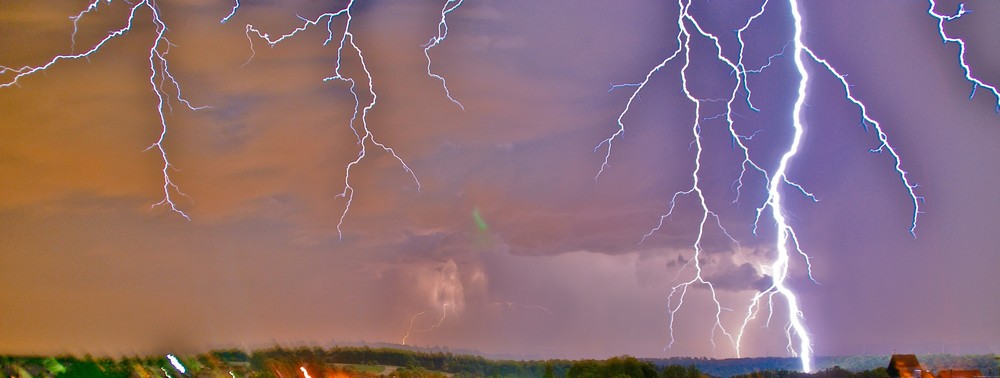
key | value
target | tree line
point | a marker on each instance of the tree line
(365, 362)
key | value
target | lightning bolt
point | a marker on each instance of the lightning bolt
(161, 81)
(942, 18)
(363, 134)
(442, 33)
(775, 176)
(410, 328)
(776, 179)
(232, 12)
(444, 315)
(76, 20)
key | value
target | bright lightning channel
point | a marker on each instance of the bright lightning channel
(776, 180)
(160, 80)
(360, 116)
(779, 269)
(945, 38)
(232, 12)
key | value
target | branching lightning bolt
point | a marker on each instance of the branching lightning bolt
(442, 33)
(444, 315)
(160, 79)
(776, 179)
(775, 175)
(962, 11)
(360, 116)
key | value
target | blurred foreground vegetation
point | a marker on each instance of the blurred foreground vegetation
(350, 362)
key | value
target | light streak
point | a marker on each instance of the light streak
(160, 81)
(365, 135)
(540, 308)
(442, 33)
(305, 372)
(177, 363)
(510, 304)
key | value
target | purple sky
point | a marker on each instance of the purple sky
(87, 266)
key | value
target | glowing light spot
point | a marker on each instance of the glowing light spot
(177, 363)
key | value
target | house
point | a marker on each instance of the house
(907, 366)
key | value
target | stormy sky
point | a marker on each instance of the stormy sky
(509, 245)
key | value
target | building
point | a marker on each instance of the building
(907, 366)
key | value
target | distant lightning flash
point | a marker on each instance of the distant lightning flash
(160, 80)
(410, 330)
(776, 179)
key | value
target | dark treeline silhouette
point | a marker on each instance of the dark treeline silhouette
(626, 366)
(857, 363)
(834, 372)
